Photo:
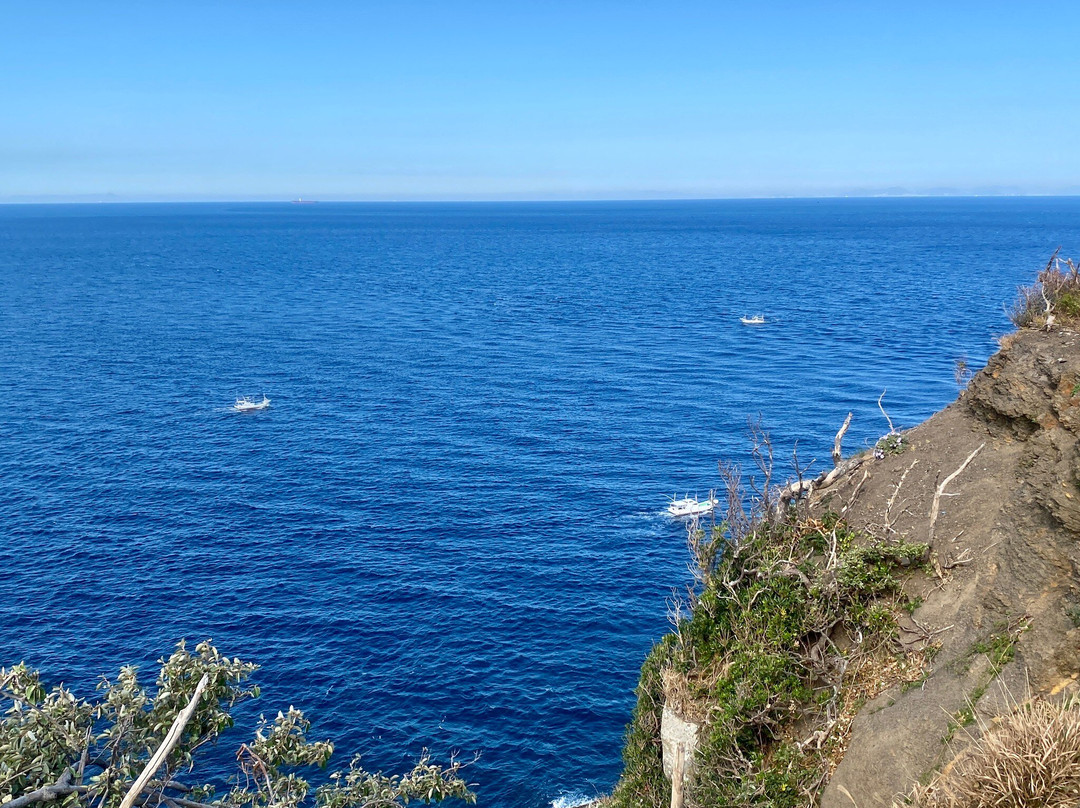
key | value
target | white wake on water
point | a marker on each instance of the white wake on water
(571, 799)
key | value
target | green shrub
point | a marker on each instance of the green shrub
(642, 784)
(78, 753)
(891, 444)
(1069, 304)
(759, 654)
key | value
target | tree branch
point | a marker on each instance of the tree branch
(839, 437)
(895, 494)
(892, 429)
(61, 788)
(941, 490)
(181, 801)
(166, 746)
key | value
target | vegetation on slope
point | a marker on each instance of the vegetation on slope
(791, 627)
(794, 622)
(1053, 298)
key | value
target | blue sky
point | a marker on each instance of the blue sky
(535, 100)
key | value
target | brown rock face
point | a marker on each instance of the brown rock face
(1032, 389)
(1006, 607)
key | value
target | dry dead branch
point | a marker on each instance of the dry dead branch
(959, 561)
(801, 488)
(836, 455)
(892, 429)
(1049, 308)
(61, 788)
(677, 777)
(936, 504)
(166, 746)
(856, 492)
(735, 516)
(848, 466)
(761, 449)
(922, 632)
(892, 499)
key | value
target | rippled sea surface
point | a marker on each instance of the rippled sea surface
(447, 530)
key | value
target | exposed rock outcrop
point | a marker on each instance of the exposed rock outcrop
(1005, 604)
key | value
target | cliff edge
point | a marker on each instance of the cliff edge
(866, 637)
(1006, 578)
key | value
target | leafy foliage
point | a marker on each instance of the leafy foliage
(784, 624)
(642, 784)
(891, 444)
(78, 752)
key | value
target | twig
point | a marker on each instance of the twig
(1055, 264)
(171, 784)
(83, 758)
(166, 746)
(839, 437)
(1053, 258)
(11, 694)
(923, 633)
(892, 499)
(847, 794)
(936, 505)
(761, 450)
(892, 429)
(183, 803)
(738, 523)
(1049, 308)
(855, 493)
(961, 560)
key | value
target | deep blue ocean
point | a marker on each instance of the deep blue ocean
(447, 531)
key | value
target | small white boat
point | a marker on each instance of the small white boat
(246, 404)
(757, 319)
(691, 506)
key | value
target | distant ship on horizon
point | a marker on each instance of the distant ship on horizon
(302, 201)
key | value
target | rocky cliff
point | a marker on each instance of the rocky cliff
(1002, 600)
(865, 631)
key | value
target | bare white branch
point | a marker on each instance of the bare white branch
(839, 437)
(895, 494)
(936, 505)
(892, 429)
(167, 745)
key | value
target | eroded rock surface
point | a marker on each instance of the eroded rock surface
(678, 736)
(1007, 545)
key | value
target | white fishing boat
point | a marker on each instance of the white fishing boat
(691, 506)
(246, 404)
(757, 319)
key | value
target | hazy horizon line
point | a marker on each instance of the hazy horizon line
(123, 199)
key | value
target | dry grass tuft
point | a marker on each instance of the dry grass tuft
(682, 696)
(1032, 758)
